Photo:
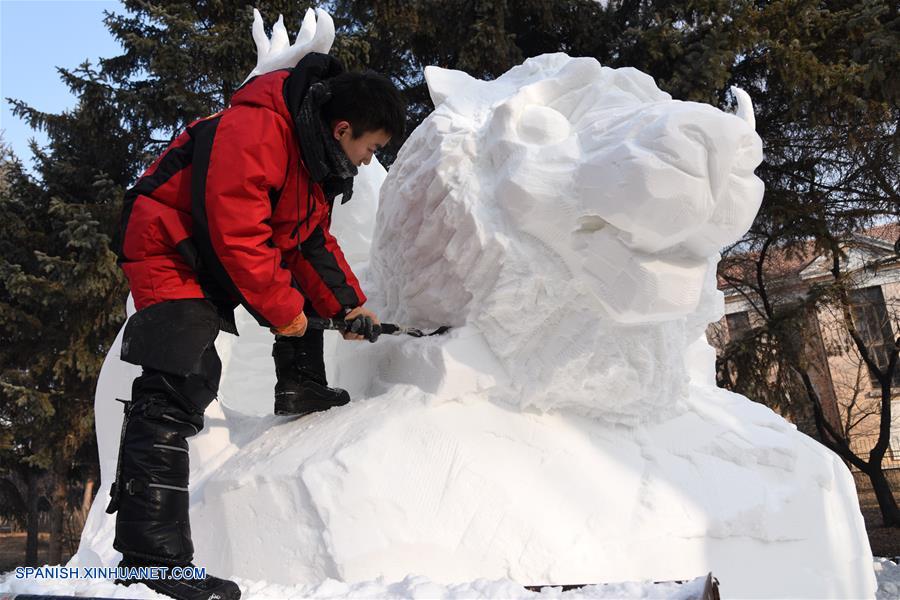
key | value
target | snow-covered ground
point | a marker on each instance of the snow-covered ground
(409, 588)
(887, 572)
(565, 219)
(419, 588)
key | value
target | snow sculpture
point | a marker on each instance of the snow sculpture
(553, 206)
(568, 218)
(565, 218)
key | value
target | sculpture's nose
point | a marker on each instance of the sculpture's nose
(704, 143)
(660, 174)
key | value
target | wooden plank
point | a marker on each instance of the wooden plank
(710, 587)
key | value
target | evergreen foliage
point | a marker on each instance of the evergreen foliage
(828, 117)
(484, 38)
(61, 293)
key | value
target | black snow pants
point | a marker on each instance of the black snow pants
(173, 342)
(300, 357)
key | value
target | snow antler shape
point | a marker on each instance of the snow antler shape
(744, 108)
(316, 35)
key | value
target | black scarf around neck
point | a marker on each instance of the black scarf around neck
(325, 160)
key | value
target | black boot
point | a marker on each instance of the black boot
(151, 488)
(150, 494)
(187, 586)
(302, 387)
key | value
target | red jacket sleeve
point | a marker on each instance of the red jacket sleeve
(324, 274)
(249, 158)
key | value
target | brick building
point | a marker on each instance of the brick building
(850, 395)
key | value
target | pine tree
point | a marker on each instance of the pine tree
(21, 420)
(62, 295)
(828, 114)
(61, 299)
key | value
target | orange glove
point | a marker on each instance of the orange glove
(295, 328)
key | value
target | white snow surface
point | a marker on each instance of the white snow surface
(565, 219)
(888, 574)
(418, 588)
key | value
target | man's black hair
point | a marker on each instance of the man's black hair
(368, 101)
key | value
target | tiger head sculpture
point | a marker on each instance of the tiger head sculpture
(572, 214)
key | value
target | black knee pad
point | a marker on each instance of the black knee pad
(192, 393)
(174, 342)
(171, 336)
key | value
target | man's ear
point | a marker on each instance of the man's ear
(340, 129)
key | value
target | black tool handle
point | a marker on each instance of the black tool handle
(342, 326)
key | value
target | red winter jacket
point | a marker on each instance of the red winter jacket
(217, 216)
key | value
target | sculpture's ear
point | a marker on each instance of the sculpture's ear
(279, 40)
(324, 36)
(307, 28)
(442, 83)
(260, 37)
(744, 106)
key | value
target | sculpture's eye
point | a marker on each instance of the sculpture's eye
(542, 125)
(590, 224)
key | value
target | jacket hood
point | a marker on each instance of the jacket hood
(265, 91)
(284, 90)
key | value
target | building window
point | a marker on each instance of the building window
(872, 321)
(738, 325)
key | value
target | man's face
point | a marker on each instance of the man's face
(359, 150)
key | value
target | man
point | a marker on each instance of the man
(236, 211)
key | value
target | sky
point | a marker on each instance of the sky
(36, 36)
